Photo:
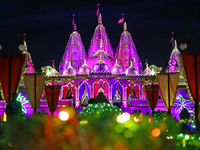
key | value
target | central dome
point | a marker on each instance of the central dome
(101, 55)
(101, 66)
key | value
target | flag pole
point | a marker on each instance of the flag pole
(97, 14)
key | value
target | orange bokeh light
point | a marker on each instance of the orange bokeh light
(155, 132)
(63, 115)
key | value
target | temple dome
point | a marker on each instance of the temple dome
(70, 71)
(117, 69)
(85, 69)
(101, 54)
(101, 66)
(175, 50)
(147, 71)
(131, 70)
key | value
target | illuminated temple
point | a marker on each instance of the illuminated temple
(120, 76)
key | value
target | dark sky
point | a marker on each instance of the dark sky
(47, 24)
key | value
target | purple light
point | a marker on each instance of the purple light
(29, 64)
(100, 55)
(126, 52)
(117, 69)
(100, 34)
(101, 67)
(74, 52)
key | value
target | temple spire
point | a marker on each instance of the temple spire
(131, 63)
(100, 33)
(146, 63)
(24, 42)
(73, 22)
(29, 68)
(126, 50)
(74, 27)
(73, 48)
(101, 43)
(53, 65)
(175, 44)
(125, 26)
(84, 61)
(99, 19)
(70, 65)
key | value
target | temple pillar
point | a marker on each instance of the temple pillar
(140, 91)
(124, 97)
(61, 93)
(110, 94)
(77, 103)
(92, 92)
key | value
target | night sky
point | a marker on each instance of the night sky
(48, 26)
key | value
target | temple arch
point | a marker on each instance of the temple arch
(100, 84)
(84, 92)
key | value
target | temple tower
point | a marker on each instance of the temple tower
(174, 61)
(74, 52)
(29, 68)
(126, 51)
(100, 34)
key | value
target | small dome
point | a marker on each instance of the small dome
(131, 70)
(117, 69)
(147, 71)
(101, 66)
(70, 71)
(84, 69)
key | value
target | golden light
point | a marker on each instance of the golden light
(136, 119)
(126, 116)
(4, 117)
(123, 117)
(63, 115)
(187, 137)
(150, 120)
(84, 122)
(155, 132)
(153, 72)
(120, 119)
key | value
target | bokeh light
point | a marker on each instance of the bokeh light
(120, 119)
(123, 117)
(136, 119)
(155, 132)
(187, 137)
(63, 115)
(126, 116)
